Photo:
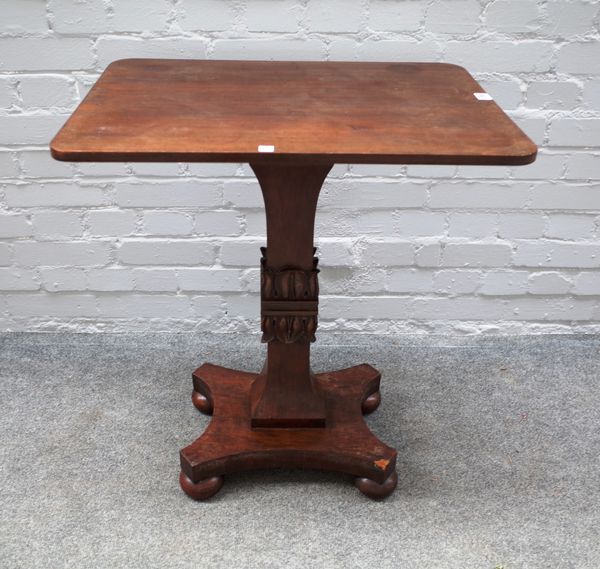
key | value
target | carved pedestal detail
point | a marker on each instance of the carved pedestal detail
(289, 302)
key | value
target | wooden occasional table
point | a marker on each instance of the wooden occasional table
(291, 121)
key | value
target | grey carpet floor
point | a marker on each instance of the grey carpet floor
(498, 440)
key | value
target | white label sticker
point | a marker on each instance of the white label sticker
(266, 148)
(483, 97)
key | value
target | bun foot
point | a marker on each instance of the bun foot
(200, 490)
(202, 403)
(371, 403)
(376, 491)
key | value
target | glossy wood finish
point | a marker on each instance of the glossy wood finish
(311, 112)
(230, 444)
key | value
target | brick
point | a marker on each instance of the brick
(111, 222)
(211, 170)
(134, 16)
(388, 252)
(167, 223)
(18, 279)
(326, 16)
(591, 94)
(267, 16)
(574, 132)
(398, 17)
(551, 309)
(24, 16)
(242, 306)
(40, 164)
(5, 254)
(478, 195)
(563, 196)
(52, 305)
(533, 127)
(552, 95)
(587, 284)
(456, 17)
(242, 194)
(41, 54)
(31, 253)
(502, 56)
(102, 169)
(56, 225)
(343, 49)
(408, 281)
(281, 49)
(201, 279)
(171, 194)
(240, 252)
(14, 225)
(224, 223)
(548, 283)
(521, 225)
(583, 167)
(208, 15)
(399, 50)
(513, 16)
(373, 223)
(507, 93)
(557, 254)
(161, 252)
(474, 225)
(579, 58)
(54, 194)
(419, 223)
(379, 307)
(428, 255)
(8, 93)
(459, 308)
(376, 170)
(60, 279)
(451, 281)
(155, 280)
(571, 227)
(486, 172)
(112, 48)
(144, 306)
(360, 194)
(48, 91)
(476, 255)
(75, 16)
(504, 283)
(430, 171)
(566, 18)
(110, 279)
(8, 165)
(207, 306)
(170, 169)
(335, 252)
(29, 129)
(545, 167)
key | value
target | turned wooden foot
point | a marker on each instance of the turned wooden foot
(377, 491)
(201, 490)
(371, 403)
(202, 403)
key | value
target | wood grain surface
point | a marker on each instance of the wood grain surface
(312, 112)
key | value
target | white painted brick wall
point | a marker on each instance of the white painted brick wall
(414, 248)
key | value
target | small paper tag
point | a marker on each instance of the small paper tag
(266, 148)
(483, 97)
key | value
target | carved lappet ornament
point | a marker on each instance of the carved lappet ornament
(289, 302)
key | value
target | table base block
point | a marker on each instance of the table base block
(230, 444)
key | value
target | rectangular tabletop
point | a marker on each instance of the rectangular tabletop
(321, 112)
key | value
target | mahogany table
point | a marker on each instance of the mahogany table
(291, 121)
